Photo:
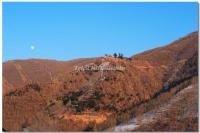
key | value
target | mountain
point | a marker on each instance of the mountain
(46, 95)
(17, 73)
(178, 50)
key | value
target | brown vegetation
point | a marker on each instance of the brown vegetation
(182, 115)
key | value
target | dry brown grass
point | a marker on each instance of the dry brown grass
(181, 116)
(88, 118)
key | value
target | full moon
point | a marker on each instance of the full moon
(32, 47)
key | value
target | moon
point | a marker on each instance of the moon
(32, 47)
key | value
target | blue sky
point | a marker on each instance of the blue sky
(65, 31)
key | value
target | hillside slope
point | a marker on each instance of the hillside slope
(18, 73)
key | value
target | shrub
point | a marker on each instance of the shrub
(33, 86)
(115, 55)
(120, 55)
(65, 100)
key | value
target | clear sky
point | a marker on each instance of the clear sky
(65, 31)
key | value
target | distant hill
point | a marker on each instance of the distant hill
(17, 73)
